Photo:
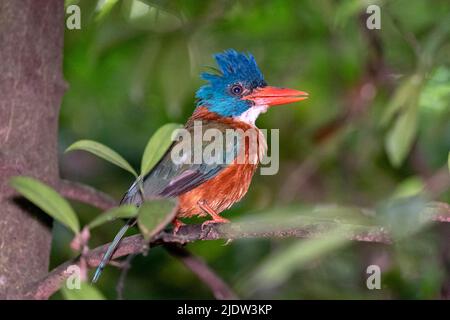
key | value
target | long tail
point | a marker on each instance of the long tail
(111, 249)
(132, 196)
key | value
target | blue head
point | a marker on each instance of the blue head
(239, 75)
(240, 87)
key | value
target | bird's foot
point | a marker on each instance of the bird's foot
(215, 220)
(213, 214)
(177, 224)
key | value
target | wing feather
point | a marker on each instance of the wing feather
(169, 179)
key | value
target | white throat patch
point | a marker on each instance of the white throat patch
(252, 114)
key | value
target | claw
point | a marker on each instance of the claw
(177, 224)
(214, 221)
(207, 223)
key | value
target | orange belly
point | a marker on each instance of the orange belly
(220, 193)
(232, 183)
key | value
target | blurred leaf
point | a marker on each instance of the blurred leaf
(401, 114)
(348, 11)
(154, 216)
(278, 267)
(405, 94)
(103, 152)
(408, 188)
(153, 17)
(433, 42)
(104, 7)
(400, 137)
(448, 161)
(435, 95)
(175, 77)
(48, 200)
(157, 146)
(125, 211)
(403, 216)
(86, 292)
(306, 216)
(169, 6)
(138, 9)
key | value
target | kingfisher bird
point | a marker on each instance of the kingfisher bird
(232, 99)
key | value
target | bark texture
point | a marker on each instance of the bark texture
(31, 88)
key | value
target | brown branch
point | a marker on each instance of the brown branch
(294, 228)
(125, 266)
(440, 211)
(291, 228)
(218, 287)
(31, 86)
(85, 194)
(438, 183)
(45, 287)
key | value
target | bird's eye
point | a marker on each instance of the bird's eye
(237, 89)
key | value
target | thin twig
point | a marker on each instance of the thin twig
(438, 183)
(86, 194)
(199, 267)
(125, 266)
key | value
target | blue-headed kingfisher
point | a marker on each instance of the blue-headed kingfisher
(232, 99)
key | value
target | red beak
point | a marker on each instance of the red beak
(273, 96)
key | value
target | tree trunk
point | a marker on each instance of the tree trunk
(31, 88)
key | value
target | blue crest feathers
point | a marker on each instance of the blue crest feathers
(233, 67)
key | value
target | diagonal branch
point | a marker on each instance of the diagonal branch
(45, 287)
(292, 228)
(125, 266)
(295, 227)
(85, 194)
(218, 287)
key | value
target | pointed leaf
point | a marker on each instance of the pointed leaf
(157, 146)
(85, 292)
(104, 152)
(125, 211)
(400, 137)
(48, 200)
(154, 216)
(401, 99)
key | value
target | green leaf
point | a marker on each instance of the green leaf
(403, 216)
(157, 147)
(435, 95)
(86, 292)
(176, 67)
(408, 188)
(154, 216)
(105, 8)
(448, 161)
(103, 152)
(400, 117)
(48, 200)
(400, 137)
(278, 267)
(125, 211)
(403, 96)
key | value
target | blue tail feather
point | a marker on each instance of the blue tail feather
(112, 247)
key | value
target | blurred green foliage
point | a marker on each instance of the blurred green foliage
(134, 66)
